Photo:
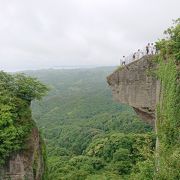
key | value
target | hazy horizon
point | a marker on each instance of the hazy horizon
(65, 67)
(46, 34)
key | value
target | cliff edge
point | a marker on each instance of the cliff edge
(132, 85)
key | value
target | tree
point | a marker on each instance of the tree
(29, 88)
(16, 93)
(170, 47)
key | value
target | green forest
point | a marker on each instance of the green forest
(89, 136)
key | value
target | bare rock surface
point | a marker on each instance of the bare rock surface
(135, 86)
(27, 164)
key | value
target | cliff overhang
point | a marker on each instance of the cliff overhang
(135, 86)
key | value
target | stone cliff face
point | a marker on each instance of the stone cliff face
(133, 86)
(27, 164)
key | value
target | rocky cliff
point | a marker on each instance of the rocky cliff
(28, 163)
(133, 85)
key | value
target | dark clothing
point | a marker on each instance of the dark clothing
(134, 56)
(147, 50)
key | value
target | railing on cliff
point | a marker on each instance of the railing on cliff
(138, 55)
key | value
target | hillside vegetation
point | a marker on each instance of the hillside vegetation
(168, 110)
(89, 136)
(16, 93)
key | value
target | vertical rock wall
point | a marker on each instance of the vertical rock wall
(135, 86)
(27, 164)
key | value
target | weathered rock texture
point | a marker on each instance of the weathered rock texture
(27, 164)
(133, 85)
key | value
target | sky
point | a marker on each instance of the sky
(38, 34)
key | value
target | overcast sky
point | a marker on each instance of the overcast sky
(49, 33)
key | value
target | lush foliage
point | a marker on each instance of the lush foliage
(88, 136)
(169, 47)
(16, 93)
(114, 155)
(169, 107)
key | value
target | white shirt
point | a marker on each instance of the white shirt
(151, 48)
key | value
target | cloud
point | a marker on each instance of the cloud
(42, 33)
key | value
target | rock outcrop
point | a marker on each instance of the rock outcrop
(133, 85)
(27, 164)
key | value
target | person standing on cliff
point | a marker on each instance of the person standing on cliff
(124, 61)
(138, 54)
(148, 49)
(152, 49)
(134, 56)
(155, 49)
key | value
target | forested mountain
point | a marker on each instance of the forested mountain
(89, 136)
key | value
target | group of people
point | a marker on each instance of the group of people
(150, 49)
